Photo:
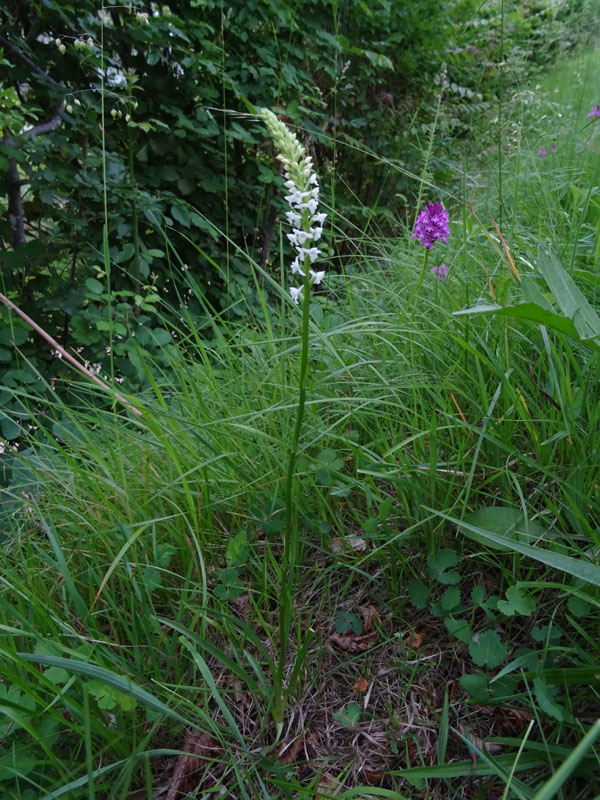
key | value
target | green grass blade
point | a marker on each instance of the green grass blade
(553, 784)
(124, 685)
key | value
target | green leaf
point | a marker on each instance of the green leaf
(488, 650)
(576, 567)
(14, 335)
(348, 716)
(569, 298)
(160, 336)
(237, 549)
(110, 678)
(181, 215)
(442, 561)
(578, 607)
(517, 602)
(108, 697)
(476, 685)
(450, 598)
(544, 695)
(10, 429)
(94, 286)
(478, 595)
(503, 520)
(418, 593)
(459, 628)
(348, 622)
(529, 312)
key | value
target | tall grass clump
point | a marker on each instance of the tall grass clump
(347, 548)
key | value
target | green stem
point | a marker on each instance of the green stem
(420, 282)
(289, 561)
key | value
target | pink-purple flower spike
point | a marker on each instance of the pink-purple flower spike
(595, 112)
(432, 224)
(441, 272)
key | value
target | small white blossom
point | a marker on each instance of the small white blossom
(311, 252)
(293, 218)
(317, 277)
(319, 218)
(316, 233)
(295, 293)
(295, 198)
(296, 268)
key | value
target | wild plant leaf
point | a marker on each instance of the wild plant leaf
(544, 694)
(450, 599)
(488, 651)
(108, 677)
(518, 601)
(344, 622)
(440, 562)
(478, 595)
(476, 684)
(578, 607)
(568, 296)
(530, 312)
(237, 549)
(459, 628)
(348, 716)
(418, 593)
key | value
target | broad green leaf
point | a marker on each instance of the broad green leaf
(237, 549)
(530, 312)
(418, 593)
(181, 214)
(459, 628)
(442, 561)
(488, 651)
(578, 607)
(569, 297)
(576, 567)
(544, 695)
(94, 285)
(348, 716)
(518, 601)
(345, 621)
(476, 684)
(450, 598)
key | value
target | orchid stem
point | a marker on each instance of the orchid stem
(289, 561)
(420, 282)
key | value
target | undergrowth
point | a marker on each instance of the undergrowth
(444, 628)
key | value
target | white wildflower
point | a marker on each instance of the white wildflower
(296, 268)
(312, 253)
(302, 184)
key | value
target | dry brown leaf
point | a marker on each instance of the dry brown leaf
(373, 778)
(491, 747)
(361, 685)
(193, 765)
(370, 616)
(346, 544)
(289, 753)
(352, 643)
(414, 640)
(328, 784)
